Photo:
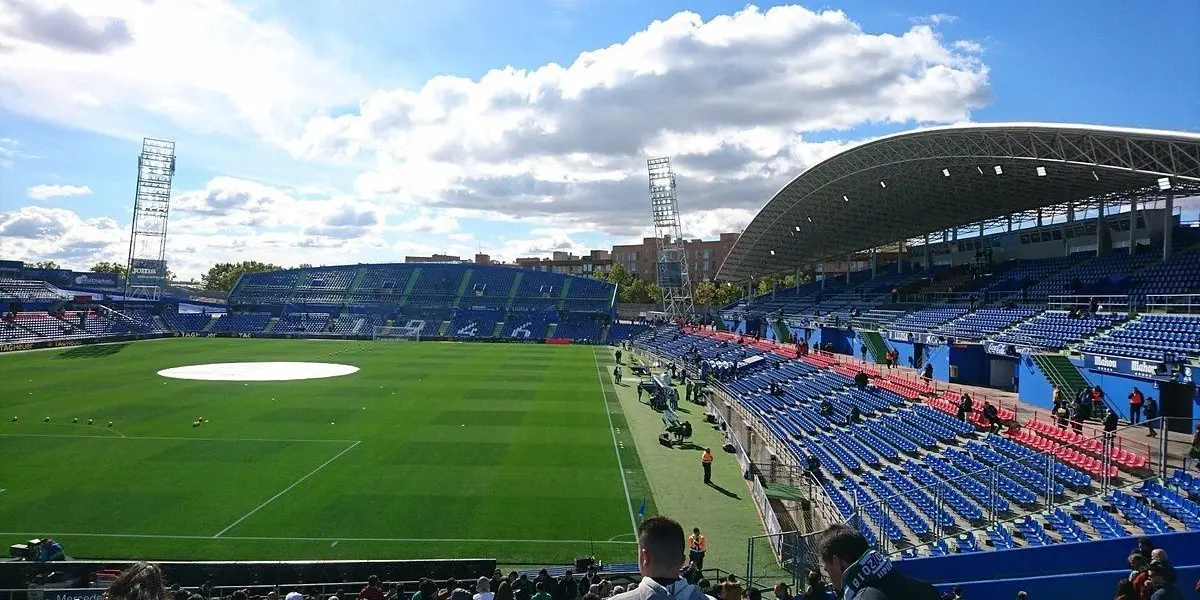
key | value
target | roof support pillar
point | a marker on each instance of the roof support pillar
(1168, 222)
(928, 254)
(1133, 205)
(1103, 236)
(848, 256)
(874, 263)
(823, 276)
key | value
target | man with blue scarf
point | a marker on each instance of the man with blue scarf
(865, 574)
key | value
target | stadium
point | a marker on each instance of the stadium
(961, 394)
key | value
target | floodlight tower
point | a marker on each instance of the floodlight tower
(673, 278)
(147, 268)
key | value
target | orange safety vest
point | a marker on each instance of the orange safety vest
(707, 458)
(698, 543)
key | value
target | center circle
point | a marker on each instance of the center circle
(259, 371)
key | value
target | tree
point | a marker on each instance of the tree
(304, 266)
(45, 264)
(728, 293)
(705, 293)
(223, 276)
(118, 269)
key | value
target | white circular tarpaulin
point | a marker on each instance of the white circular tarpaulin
(259, 371)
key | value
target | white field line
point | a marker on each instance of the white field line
(287, 489)
(616, 449)
(176, 439)
(234, 538)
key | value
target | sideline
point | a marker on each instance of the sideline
(234, 538)
(176, 439)
(616, 448)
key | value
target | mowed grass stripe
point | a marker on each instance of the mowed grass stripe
(459, 443)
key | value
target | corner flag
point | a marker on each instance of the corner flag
(642, 511)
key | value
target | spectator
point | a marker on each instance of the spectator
(1135, 405)
(1150, 412)
(483, 590)
(965, 406)
(927, 374)
(618, 589)
(141, 581)
(1162, 583)
(1126, 591)
(567, 588)
(372, 591)
(782, 592)
(1111, 422)
(816, 586)
(992, 416)
(1158, 556)
(955, 593)
(1021, 595)
(426, 590)
(661, 547)
(540, 591)
(523, 587)
(1193, 454)
(863, 573)
(504, 592)
(733, 589)
(1145, 547)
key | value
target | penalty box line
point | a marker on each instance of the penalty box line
(236, 538)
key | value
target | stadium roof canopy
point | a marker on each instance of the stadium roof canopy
(906, 185)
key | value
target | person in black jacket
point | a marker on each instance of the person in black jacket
(865, 574)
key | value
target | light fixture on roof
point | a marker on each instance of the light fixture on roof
(1095, 176)
(945, 172)
(772, 253)
(882, 184)
(797, 228)
(1041, 171)
(999, 171)
(845, 198)
(809, 219)
(980, 169)
(1164, 183)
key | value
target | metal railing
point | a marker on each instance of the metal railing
(1113, 303)
(1188, 304)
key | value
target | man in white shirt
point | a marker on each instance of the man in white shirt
(660, 555)
(483, 590)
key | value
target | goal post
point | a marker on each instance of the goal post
(404, 333)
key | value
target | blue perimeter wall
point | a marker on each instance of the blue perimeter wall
(1079, 586)
(1081, 557)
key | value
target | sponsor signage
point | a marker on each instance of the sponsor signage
(95, 279)
(1122, 366)
(72, 594)
(929, 339)
(11, 268)
(147, 272)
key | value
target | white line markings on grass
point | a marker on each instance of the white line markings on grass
(234, 538)
(287, 489)
(177, 439)
(616, 446)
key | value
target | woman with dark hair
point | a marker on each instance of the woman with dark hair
(1125, 590)
(141, 581)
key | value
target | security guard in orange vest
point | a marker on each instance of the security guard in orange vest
(697, 546)
(706, 462)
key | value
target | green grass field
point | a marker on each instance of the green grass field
(430, 450)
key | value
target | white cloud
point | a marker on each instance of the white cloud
(731, 99)
(46, 192)
(934, 19)
(10, 150)
(41, 233)
(117, 66)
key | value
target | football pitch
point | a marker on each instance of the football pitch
(430, 450)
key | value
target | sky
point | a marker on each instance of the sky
(344, 131)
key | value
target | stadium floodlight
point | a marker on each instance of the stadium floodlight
(1095, 176)
(999, 171)
(1164, 183)
(797, 228)
(146, 268)
(1041, 171)
(882, 184)
(673, 280)
(980, 169)
(772, 253)
(846, 199)
(809, 219)
(945, 172)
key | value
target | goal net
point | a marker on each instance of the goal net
(408, 331)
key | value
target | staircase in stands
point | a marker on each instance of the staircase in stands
(512, 292)
(271, 324)
(562, 295)
(462, 287)
(550, 330)
(408, 287)
(782, 333)
(875, 345)
(1062, 373)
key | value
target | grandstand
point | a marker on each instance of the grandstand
(1036, 257)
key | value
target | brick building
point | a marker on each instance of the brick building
(596, 261)
(704, 257)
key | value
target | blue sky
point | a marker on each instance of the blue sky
(329, 131)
